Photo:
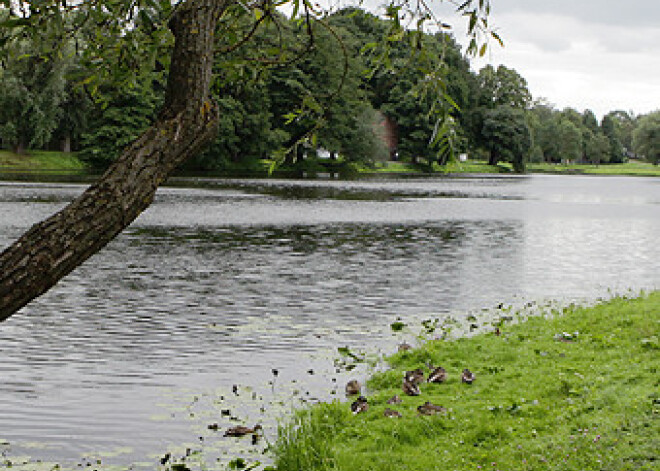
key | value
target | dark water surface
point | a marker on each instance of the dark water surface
(219, 282)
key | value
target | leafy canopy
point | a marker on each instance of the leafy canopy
(124, 43)
(646, 137)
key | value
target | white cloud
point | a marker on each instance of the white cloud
(580, 64)
(595, 54)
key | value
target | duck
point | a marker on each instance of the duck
(467, 376)
(415, 376)
(403, 347)
(437, 375)
(360, 405)
(394, 400)
(410, 388)
(392, 413)
(242, 430)
(431, 409)
(353, 387)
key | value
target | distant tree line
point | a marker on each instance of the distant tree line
(342, 94)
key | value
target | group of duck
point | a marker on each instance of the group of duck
(410, 386)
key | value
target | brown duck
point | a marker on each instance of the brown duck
(467, 376)
(394, 400)
(360, 405)
(392, 413)
(415, 376)
(431, 409)
(437, 375)
(410, 388)
(353, 387)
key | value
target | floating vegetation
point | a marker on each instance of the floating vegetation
(397, 326)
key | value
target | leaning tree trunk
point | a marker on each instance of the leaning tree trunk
(54, 247)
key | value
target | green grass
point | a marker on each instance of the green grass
(634, 168)
(40, 161)
(472, 166)
(629, 168)
(538, 403)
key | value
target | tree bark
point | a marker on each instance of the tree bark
(493, 158)
(20, 148)
(66, 143)
(188, 121)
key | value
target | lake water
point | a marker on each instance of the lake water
(222, 281)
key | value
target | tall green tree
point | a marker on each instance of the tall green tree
(32, 88)
(503, 86)
(569, 140)
(76, 108)
(626, 123)
(543, 127)
(496, 87)
(596, 147)
(508, 136)
(646, 137)
(610, 129)
(125, 114)
(590, 121)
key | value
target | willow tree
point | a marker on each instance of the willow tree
(120, 41)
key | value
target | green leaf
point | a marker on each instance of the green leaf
(397, 326)
(473, 21)
(344, 351)
(368, 47)
(472, 47)
(464, 5)
(290, 117)
(397, 36)
(497, 37)
(296, 8)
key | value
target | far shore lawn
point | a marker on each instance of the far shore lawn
(40, 161)
(632, 168)
(51, 162)
(573, 389)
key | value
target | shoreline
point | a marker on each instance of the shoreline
(58, 166)
(573, 389)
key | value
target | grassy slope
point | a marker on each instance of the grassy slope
(537, 404)
(40, 161)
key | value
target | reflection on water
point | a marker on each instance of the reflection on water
(216, 285)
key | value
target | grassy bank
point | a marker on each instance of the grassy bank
(48, 162)
(578, 389)
(472, 166)
(633, 168)
(40, 161)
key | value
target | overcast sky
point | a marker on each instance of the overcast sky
(597, 54)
